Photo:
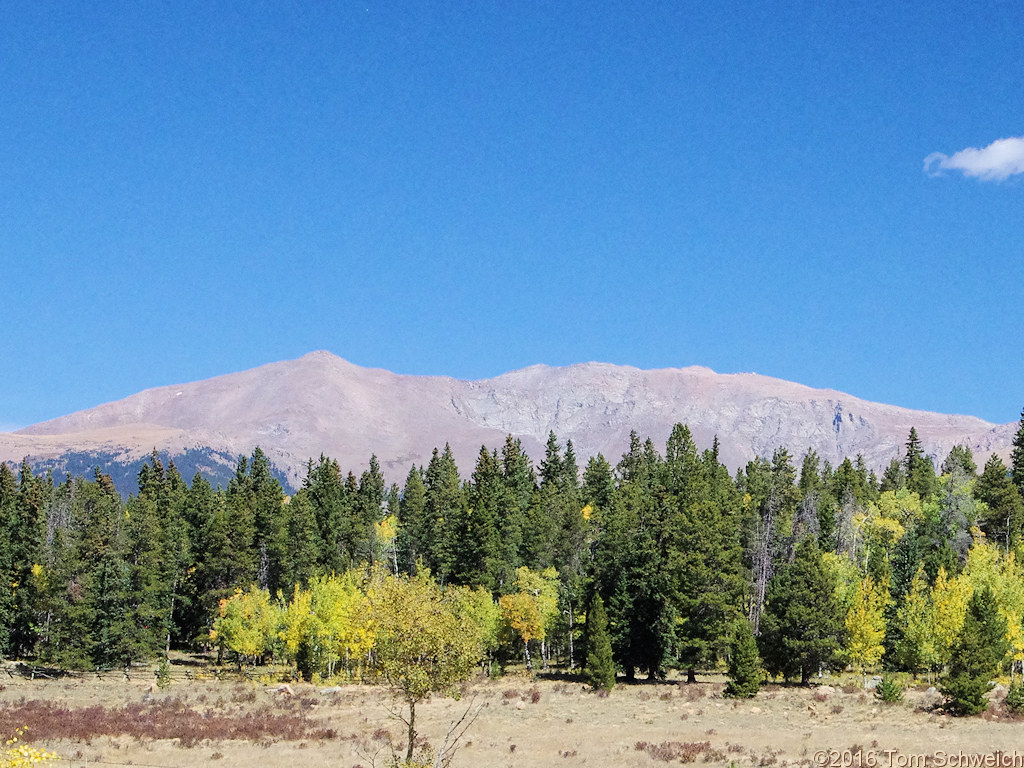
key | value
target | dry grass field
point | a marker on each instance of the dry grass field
(521, 722)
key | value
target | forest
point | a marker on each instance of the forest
(664, 561)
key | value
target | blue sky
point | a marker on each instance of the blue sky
(189, 189)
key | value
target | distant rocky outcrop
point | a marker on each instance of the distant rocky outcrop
(321, 404)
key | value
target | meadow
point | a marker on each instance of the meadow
(520, 721)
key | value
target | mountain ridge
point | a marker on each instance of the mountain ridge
(320, 403)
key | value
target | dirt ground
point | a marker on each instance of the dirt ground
(524, 722)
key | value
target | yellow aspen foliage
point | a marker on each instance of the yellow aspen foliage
(294, 618)
(17, 755)
(917, 648)
(587, 512)
(878, 530)
(847, 577)
(247, 624)
(520, 612)
(987, 566)
(328, 623)
(949, 601)
(903, 506)
(532, 609)
(983, 567)
(476, 608)
(884, 531)
(343, 613)
(542, 586)
(865, 624)
(385, 533)
(422, 644)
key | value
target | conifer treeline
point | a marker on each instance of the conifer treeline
(829, 565)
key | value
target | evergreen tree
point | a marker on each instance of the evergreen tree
(300, 555)
(519, 482)
(894, 478)
(8, 578)
(413, 532)
(868, 480)
(445, 512)
(906, 561)
(849, 482)
(267, 498)
(26, 545)
(161, 551)
(1017, 457)
(919, 468)
(237, 529)
(934, 534)
(200, 505)
(478, 559)
(599, 671)
(598, 484)
(368, 509)
(977, 656)
(569, 522)
(960, 460)
(802, 626)
(1003, 518)
(703, 554)
(630, 572)
(545, 513)
(332, 507)
(745, 673)
(948, 524)
(815, 514)
(771, 497)
(84, 547)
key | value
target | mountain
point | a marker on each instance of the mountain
(321, 404)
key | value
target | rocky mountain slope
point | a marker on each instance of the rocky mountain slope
(320, 404)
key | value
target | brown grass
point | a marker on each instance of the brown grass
(242, 725)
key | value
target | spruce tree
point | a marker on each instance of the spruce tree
(8, 578)
(1003, 519)
(518, 480)
(1017, 457)
(477, 560)
(599, 671)
(27, 549)
(268, 521)
(802, 625)
(919, 468)
(630, 574)
(301, 551)
(332, 507)
(444, 513)
(894, 478)
(412, 530)
(368, 508)
(977, 656)
(745, 671)
(703, 555)
(199, 505)
(960, 459)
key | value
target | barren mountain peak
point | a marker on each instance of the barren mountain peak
(322, 404)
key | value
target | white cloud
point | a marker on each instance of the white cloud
(999, 160)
